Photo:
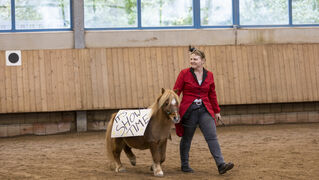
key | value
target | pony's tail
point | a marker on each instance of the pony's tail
(108, 139)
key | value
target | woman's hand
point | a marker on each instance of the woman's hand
(218, 116)
(219, 119)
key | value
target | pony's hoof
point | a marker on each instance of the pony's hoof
(133, 162)
(120, 170)
(159, 174)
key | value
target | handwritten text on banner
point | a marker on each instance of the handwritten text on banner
(129, 123)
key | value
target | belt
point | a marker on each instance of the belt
(198, 102)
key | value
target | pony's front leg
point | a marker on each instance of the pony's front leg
(156, 155)
(163, 151)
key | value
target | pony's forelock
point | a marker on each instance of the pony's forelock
(167, 95)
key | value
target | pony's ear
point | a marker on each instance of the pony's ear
(163, 90)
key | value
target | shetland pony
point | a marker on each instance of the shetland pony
(164, 112)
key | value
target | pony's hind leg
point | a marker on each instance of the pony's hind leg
(114, 147)
(119, 144)
(131, 156)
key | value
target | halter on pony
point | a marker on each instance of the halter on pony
(169, 102)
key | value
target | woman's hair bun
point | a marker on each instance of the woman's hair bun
(191, 49)
(198, 52)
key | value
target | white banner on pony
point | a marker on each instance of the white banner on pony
(129, 123)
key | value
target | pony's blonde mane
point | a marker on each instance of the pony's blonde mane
(167, 95)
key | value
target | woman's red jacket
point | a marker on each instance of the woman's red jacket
(187, 84)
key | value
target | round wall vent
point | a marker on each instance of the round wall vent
(13, 58)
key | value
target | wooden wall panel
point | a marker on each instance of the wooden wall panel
(315, 65)
(83, 84)
(20, 100)
(138, 77)
(148, 73)
(314, 71)
(3, 106)
(112, 78)
(76, 73)
(130, 77)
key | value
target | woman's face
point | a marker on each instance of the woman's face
(196, 62)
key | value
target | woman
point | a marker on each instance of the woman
(199, 105)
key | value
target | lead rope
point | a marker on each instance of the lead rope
(220, 120)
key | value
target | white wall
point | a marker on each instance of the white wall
(36, 40)
(146, 38)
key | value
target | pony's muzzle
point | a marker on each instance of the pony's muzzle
(176, 119)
